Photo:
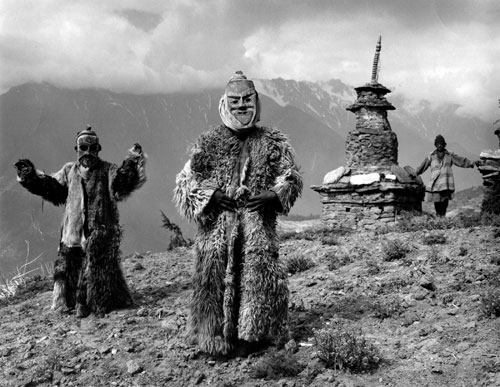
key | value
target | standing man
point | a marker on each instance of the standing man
(239, 178)
(441, 185)
(87, 273)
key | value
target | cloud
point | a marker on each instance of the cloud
(443, 51)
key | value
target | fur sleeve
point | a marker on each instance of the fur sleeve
(191, 195)
(130, 176)
(288, 184)
(53, 188)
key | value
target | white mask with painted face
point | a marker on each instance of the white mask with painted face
(239, 107)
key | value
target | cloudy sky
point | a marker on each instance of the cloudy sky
(440, 50)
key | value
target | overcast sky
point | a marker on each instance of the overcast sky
(440, 50)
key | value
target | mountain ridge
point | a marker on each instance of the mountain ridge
(39, 121)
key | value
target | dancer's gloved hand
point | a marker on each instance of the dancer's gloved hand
(221, 200)
(24, 168)
(266, 199)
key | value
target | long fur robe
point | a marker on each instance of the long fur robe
(240, 288)
(88, 274)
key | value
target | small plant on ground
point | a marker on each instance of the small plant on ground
(388, 307)
(329, 240)
(337, 259)
(277, 365)
(434, 239)
(393, 285)
(462, 251)
(341, 346)
(296, 263)
(394, 249)
(372, 266)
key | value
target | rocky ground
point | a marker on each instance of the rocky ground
(417, 308)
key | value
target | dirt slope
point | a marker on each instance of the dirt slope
(423, 312)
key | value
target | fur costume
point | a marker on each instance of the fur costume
(240, 287)
(87, 272)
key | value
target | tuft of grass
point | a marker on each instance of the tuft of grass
(341, 346)
(433, 254)
(277, 365)
(393, 285)
(330, 240)
(434, 239)
(394, 249)
(337, 259)
(326, 235)
(9, 287)
(296, 263)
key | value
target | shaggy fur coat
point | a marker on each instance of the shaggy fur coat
(240, 288)
(87, 271)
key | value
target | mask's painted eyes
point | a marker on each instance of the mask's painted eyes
(91, 148)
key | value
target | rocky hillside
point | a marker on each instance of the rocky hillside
(416, 306)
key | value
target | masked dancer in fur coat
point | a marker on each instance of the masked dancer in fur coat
(87, 272)
(239, 178)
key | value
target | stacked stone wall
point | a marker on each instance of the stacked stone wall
(490, 170)
(366, 211)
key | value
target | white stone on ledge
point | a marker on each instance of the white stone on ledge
(334, 176)
(490, 154)
(364, 179)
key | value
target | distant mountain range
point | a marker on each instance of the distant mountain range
(39, 122)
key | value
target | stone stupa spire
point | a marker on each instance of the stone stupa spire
(376, 65)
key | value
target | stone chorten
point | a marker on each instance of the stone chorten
(372, 189)
(490, 171)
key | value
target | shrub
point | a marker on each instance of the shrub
(394, 249)
(296, 263)
(176, 237)
(490, 302)
(276, 366)
(344, 347)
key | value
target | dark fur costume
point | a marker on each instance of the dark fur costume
(240, 285)
(90, 275)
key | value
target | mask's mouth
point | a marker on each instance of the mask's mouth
(244, 116)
